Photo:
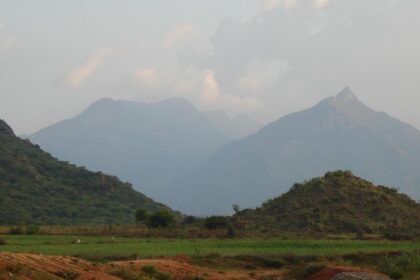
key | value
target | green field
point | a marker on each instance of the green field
(104, 247)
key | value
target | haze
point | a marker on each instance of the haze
(260, 58)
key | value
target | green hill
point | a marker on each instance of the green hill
(36, 188)
(337, 203)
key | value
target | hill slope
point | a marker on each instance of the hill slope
(146, 144)
(338, 133)
(339, 202)
(35, 188)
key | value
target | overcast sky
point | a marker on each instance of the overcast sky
(264, 58)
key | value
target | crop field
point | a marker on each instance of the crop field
(108, 247)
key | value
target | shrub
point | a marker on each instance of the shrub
(230, 232)
(312, 268)
(68, 275)
(32, 230)
(306, 271)
(15, 230)
(149, 269)
(161, 219)
(124, 273)
(216, 222)
(150, 272)
(141, 215)
(270, 263)
(402, 266)
(189, 220)
(2, 242)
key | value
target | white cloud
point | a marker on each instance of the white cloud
(7, 43)
(260, 75)
(287, 4)
(273, 4)
(211, 90)
(321, 3)
(77, 76)
(181, 35)
(211, 95)
(147, 76)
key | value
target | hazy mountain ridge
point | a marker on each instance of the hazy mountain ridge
(338, 202)
(146, 144)
(338, 133)
(36, 188)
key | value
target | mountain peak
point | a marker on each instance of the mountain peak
(346, 95)
(346, 99)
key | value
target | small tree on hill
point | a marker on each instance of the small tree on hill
(236, 208)
(160, 219)
(189, 220)
(216, 222)
(141, 215)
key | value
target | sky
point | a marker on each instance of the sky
(263, 58)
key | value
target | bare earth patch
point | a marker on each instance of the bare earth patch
(330, 271)
(31, 266)
(41, 267)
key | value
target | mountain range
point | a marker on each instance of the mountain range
(36, 188)
(190, 160)
(149, 145)
(338, 133)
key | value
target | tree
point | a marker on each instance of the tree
(189, 220)
(141, 215)
(160, 219)
(236, 208)
(216, 222)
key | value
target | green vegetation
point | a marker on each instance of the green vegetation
(114, 248)
(141, 215)
(398, 266)
(216, 222)
(36, 188)
(337, 203)
(160, 219)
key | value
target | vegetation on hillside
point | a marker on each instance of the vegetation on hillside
(36, 188)
(339, 202)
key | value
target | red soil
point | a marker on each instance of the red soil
(40, 267)
(31, 266)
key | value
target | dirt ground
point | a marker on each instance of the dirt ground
(40, 267)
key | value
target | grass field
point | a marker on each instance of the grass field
(104, 247)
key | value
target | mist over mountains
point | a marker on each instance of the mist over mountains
(149, 145)
(191, 160)
(338, 133)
